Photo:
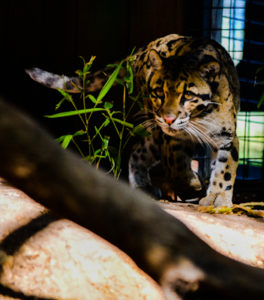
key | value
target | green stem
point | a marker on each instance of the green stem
(81, 118)
(85, 129)
(86, 118)
(128, 137)
(122, 131)
(97, 132)
(84, 96)
(110, 116)
(78, 148)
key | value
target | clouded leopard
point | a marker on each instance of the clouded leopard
(190, 91)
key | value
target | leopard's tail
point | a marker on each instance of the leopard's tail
(68, 84)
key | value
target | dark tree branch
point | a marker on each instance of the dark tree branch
(160, 244)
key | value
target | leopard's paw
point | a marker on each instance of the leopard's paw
(216, 200)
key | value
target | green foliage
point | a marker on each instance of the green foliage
(251, 209)
(89, 136)
(261, 100)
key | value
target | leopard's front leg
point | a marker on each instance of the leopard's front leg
(144, 156)
(220, 189)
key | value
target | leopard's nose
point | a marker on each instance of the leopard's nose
(169, 119)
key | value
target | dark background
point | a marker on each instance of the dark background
(52, 34)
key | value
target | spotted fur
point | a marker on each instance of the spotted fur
(190, 91)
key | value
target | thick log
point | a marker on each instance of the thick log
(50, 258)
(160, 244)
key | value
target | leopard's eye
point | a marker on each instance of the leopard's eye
(188, 95)
(159, 91)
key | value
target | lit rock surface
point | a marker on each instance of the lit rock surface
(239, 237)
(64, 260)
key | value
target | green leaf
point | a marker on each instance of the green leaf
(112, 65)
(141, 131)
(88, 65)
(64, 140)
(109, 83)
(97, 152)
(260, 69)
(129, 73)
(66, 95)
(92, 98)
(105, 143)
(79, 132)
(60, 139)
(101, 156)
(79, 73)
(131, 54)
(108, 105)
(119, 81)
(261, 100)
(116, 112)
(129, 79)
(127, 124)
(58, 105)
(83, 60)
(118, 162)
(106, 122)
(74, 113)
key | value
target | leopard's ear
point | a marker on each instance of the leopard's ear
(155, 60)
(210, 69)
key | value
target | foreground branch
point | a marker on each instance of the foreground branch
(160, 244)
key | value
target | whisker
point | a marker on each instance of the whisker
(210, 141)
(149, 124)
(207, 140)
(190, 133)
(160, 121)
(208, 123)
(196, 135)
(212, 102)
(199, 133)
(209, 127)
(204, 137)
(202, 126)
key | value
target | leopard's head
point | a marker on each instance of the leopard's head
(180, 91)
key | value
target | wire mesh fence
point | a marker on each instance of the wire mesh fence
(239, 26)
